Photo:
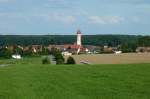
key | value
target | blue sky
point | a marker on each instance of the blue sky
(40, 17)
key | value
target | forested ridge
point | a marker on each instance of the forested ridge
(111, 40)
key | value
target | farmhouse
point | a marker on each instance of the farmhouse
(92, 49)
(16, 56)
(143, 49)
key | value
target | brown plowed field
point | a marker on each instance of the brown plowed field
(127, 58)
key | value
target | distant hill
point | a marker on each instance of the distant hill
(111, 40)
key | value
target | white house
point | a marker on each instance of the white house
(16, 56)
(66, 53)
(118, 52)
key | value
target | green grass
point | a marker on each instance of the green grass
(36, 81)
(25, 60)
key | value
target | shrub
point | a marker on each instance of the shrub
(60, 61)
(5, 53)
(71, 60)
(58, 56)
(46, 60)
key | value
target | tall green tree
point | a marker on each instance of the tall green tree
(5, 53)
(58, 56)
(45, 51)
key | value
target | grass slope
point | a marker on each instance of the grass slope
(25, 60)
(36, 81)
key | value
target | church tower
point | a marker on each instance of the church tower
(79, 37)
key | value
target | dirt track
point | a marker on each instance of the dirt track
(128, 58)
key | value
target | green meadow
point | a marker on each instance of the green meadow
(30, 79)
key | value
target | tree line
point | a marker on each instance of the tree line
(126, 43)
(100, 40)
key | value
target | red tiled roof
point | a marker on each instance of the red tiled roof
(66, 46)
(74, 46)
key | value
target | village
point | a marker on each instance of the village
(76, 49)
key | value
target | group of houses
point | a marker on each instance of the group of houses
(74, 48)
(143, 49)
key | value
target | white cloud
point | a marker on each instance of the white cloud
(105, 19)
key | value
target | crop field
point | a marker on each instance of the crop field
(29, 79)
(129, 58)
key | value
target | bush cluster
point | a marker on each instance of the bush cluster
(70, 60)
(58, 56)
(46, 60)
(5, 53)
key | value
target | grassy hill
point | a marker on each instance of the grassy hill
(31, 80)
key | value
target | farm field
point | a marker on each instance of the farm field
(31, 80)
(128, 58)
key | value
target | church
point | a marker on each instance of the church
(75, 48)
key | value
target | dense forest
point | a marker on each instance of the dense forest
(110, 40)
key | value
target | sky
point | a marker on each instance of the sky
(64, 17)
